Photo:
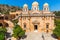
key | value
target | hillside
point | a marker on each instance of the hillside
(5, 9)
(57, 13)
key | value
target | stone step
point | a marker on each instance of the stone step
(38, 36)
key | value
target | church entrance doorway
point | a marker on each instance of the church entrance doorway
(35, 28)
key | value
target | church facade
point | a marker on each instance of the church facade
(35, 20)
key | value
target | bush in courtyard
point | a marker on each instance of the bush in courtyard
(18, 32)
(2, 33)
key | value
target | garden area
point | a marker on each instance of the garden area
(56, 31)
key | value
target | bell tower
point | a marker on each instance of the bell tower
(25, 8)
(35, 6)
(46, 7)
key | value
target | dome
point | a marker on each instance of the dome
(35, 3)
(25, 5)
(46, 4)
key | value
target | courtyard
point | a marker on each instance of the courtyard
(39, 36)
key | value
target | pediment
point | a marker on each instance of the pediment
(35, 22)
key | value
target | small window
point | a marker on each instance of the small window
(16, 14)
(1, 18)
(44, 8)
(24, 25)
(35, 8)
(47, 8)
(47, 25)
(6, 17)
(1, 24)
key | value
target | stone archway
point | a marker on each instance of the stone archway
(1, 24)
(6, 25)
(35, 28)
(10, 24)
(36, 25)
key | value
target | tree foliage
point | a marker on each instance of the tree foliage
(18, 32)
(57, 13)
(57, 29)
(15, 21)
(2, 33)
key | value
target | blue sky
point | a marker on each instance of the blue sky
(53, 4)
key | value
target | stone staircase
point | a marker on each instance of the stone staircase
(49, 37)
(33, 36)
(38, 36)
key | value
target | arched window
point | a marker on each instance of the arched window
(17, 14)
(47, 31)
(1, 24)
(1, 18)
(25, 9)
(47, 8)
(6, 17)
(34, 8)
(6, 25)
(24, 26)
(44, 8)
(47, 25)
